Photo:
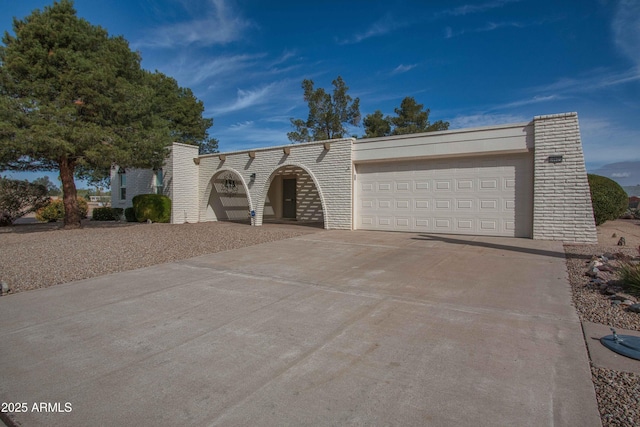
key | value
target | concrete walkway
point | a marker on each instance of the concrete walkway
(330, 328)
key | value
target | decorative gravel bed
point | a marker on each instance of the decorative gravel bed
(41, 255)
(618, 393)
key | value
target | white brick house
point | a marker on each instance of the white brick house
(520, 180)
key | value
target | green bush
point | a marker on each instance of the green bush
(54, 211)
(155, 207)
(609, 200)
(103, 214)
(118, 213)
(130, 215)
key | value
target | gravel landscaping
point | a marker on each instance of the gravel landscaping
(36, 256)
(618, 393)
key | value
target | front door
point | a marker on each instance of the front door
(289, 198)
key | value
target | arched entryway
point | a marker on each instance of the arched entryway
(228, 198)
(293, 194)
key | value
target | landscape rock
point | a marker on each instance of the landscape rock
(4, 288)
(634, 308)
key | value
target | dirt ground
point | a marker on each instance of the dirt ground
(627, 228)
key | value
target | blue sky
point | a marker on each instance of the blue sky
(473, 63)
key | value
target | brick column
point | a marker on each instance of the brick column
(561, 198)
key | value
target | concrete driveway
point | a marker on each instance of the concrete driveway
(331, 328)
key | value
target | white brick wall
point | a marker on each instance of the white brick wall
(329, 169)
(139, 181)
(561, 198)
(182, 183)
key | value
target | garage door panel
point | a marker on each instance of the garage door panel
(442, 185)
(403, 223)
(403, 186)
(442, 204)
(443, 225)
(384, 203)
(403, 205)
(421, 205)
(464, 184)
(421, 223)
(464, 205)
(462, 195)
(421, 185)
(384, 186)
(488, 205)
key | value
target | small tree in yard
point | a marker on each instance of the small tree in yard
(18, 198)
(75, 100)
(328, 114)
(410, 118)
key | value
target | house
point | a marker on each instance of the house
(634, 201)
(519, 180)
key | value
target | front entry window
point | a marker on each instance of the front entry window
(122, 178)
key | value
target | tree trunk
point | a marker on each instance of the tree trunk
(72, 217)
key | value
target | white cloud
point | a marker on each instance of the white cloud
(489, 26)
(403, 68)
(383, 26)
(626, 29)
(220, 25)
(534, 100)
(475, 8)
(247, 98)
(190, 71)
(594, 80)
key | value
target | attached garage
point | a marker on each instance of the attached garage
(484, 195)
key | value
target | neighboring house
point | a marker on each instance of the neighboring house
(634, 201)
(519, 180)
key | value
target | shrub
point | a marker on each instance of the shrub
(103, 214)
(629, 274)
(155, 207)
(609, 200)
(54, 211)
(18, 198)
(118, 213)
(130, 215)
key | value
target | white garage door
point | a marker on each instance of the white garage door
(473, 195)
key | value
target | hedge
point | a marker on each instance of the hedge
(154, 207)
(107, 214)
(609, 200)
(130, 214)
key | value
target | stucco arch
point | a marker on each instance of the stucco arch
(262, 196)
(208, 193)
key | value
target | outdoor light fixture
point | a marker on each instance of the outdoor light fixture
(554, 159)
(222, 157)
(196, 160)
(286, 150)
(229, 184)
(252, 154)
(327, 146)
(252, 176)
